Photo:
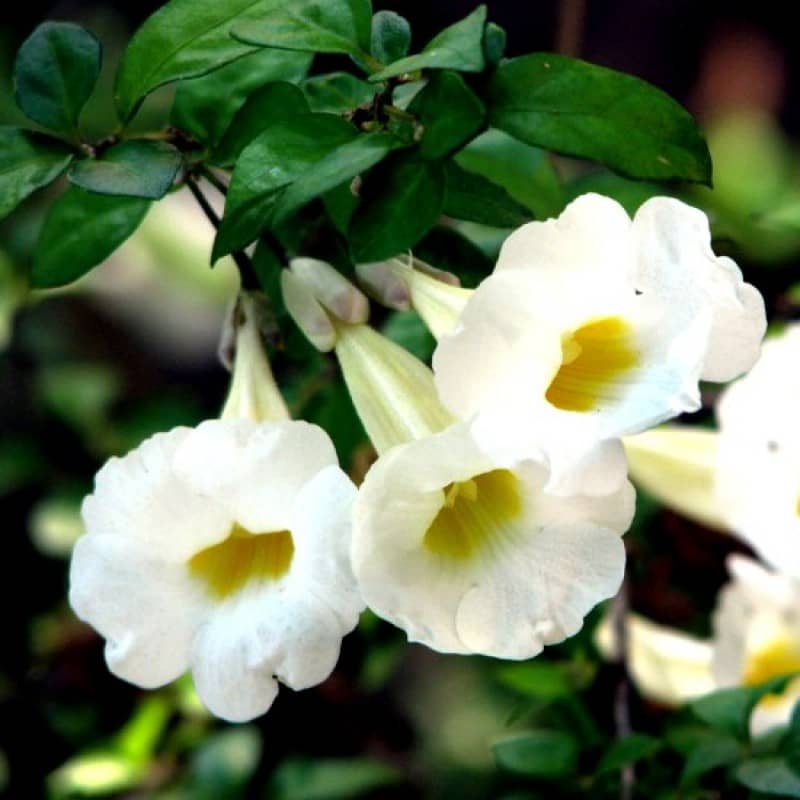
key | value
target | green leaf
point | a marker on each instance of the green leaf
(318, 26)
(790, 748)
(628, 750)
(271, 103)
(450, 113)
(539, 679)
(55, 72)
(337, 92)
(183, 39)
(729, 710)
(224, 762)
(391, 36)
(628, 193)
(27, 162)
(538, 754)
(770, 776)
(136, 168)
(400, 202)
(330, 779)
(494, 43)
(458, 47)
(273, 160)
(407, 329)
(471, 197)
(81, 230)
(583, 110)
(448, 249)
(710, 752)
(205, 106)
(339, 165)
(525, 172)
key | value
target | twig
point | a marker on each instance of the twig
(246, 271)
(214, 180)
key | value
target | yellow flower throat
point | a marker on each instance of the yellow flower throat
(593, 358)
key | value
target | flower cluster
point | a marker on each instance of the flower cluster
(491, 521)
(743, 479)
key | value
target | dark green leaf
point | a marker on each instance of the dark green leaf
(583, 110)
(341, 203)
(341, 164)
(539, 754)
(391, 36)
(183, 39)
(204, 107)
(729, 710)
(331, 779)
(81, 230)
(447, 249)
(494, 43)
(27, 162)
(337, 92)
(318, 26)
(224, 762)
(273, 102)
(471, 197)
(54, 74)
(450, 112)
(770, 776)
(710, 752)
(274, 159)
(628, 750)
(791, 742)
(407, 329)
(539, 679)
(458, 47)
(136, 168)
(525, 172)
(401, 201)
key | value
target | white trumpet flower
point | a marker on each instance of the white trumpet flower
(457, 544)
(758, 470)
(224, 550)
(594, 326)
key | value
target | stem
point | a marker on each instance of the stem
(570, 27)
(214, 180)
(622, 712)
(246, 271)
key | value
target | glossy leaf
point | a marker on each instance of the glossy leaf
(317, 26)
(579, 109)
(183, 39)
(729, 710)
(400, 202)
(27, 162)
(391, 36)
(273, 160)
(525, 172)
(494, 43)
(54, 74)
(205, 106)
(136, 168)
(450, 113)
(710, 752)
(339, 165)
(81, 230)
(472, 197)
(539, 679)
(538, 754)
(770, 776)
(337, 92)
(458, 47)
(271, 103)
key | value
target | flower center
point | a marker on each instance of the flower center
(474, 512)
(781, 656)
(593, 358)
(243, 557)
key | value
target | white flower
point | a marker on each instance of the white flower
(758, 471)
(460, 545)
(469, 554)
(757, 637)
(594, 325)
(222, 549)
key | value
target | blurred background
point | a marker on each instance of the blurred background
(90, 371)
